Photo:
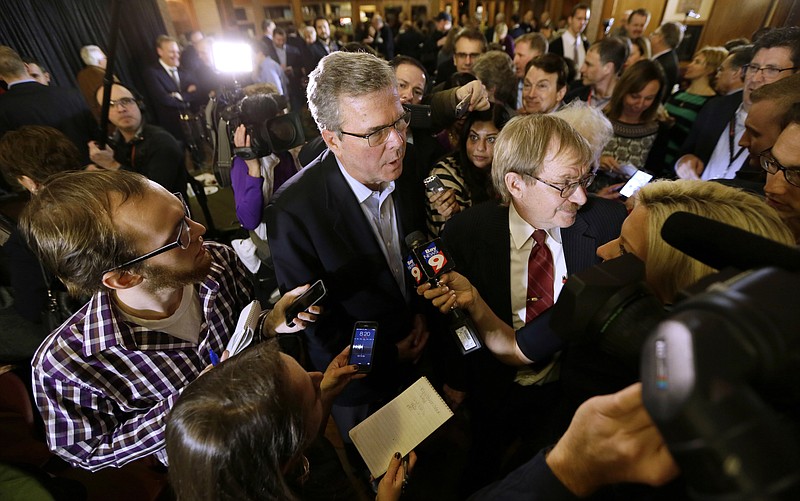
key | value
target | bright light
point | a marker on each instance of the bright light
(233, 57)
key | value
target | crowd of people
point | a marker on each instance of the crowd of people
(530, 132)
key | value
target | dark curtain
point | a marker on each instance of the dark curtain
(53, 32)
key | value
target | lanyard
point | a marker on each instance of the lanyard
(731, 139)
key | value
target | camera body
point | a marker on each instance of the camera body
(270, 130)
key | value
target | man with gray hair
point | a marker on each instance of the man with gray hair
(90, 78)
(342, 219)
(545, 226)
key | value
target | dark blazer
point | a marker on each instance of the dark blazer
(317, 230)
(669, 62)
(318, 51)
(557, 46)
(710, 124)
(479, 239)
(160, 86)
(31, 103)
(295, 60)
(270, 47)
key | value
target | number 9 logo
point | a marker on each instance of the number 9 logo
(416, 273)
(436, 262)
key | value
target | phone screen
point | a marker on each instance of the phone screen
(363, 344)
(639, 179)
(434, 184)
(306, 300)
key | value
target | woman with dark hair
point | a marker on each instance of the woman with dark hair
(466, 172)
(633, 111)
(242, 431)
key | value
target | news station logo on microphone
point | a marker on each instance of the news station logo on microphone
(428, 261)
(416, 272)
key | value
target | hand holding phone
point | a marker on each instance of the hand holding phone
(433, 184)
(639, 179)
(305, 301)
(362, 345)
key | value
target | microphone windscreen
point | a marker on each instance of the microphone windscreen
(415, 238)
(720, 245)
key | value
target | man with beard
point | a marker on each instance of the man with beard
(162, 301)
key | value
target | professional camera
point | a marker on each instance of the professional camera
(269, 130)
(720, 369)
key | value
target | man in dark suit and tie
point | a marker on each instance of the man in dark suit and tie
(341, 220)
(268, 25)
(323, 45)
(291, 61)
(572, 44)
(663, 41)
(172, 90)
(518, 254)
(27, 102)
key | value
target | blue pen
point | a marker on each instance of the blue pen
(213, 356)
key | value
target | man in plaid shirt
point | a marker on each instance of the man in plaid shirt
(162, 301)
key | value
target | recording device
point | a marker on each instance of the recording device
(462, 108)
(420, 116)
(639, 179)
(269, 131)
(304, 301)
(428, 261)
(719, 371)
(433, 184)
(362, 345)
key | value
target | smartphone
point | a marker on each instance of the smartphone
(433, 184)
(362, 345)
(421, 116)
(639, 179)
(462, 108)
(305, 301)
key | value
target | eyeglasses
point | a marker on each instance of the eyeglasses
(567, 190)
(123, 101)
(768, 71)
(183, 240)
(465, 55)
(381, 135)
(769, 164)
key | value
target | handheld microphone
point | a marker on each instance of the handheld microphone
(428, 261)
(720, 245)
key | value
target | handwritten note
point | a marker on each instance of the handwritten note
(400, 425)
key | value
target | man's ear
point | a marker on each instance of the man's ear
(333, 140)
(560, 93)
(28, 183)
(514, 183)
(120, 280)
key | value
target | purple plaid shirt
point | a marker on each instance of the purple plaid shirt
(104, 385)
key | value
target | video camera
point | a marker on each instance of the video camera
(720, 370)
(270, 131)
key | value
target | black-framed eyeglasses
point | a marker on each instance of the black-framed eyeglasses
(380, 136)
(123, 101)
(768, 71)
(183, 240)
(769, 164)
(566, 191)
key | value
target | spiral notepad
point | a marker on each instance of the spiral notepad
(400, 425)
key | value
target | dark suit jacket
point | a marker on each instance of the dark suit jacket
(557, 46)
(669, 62)
(294, 60)
(270, 47)
(479, 240)
(167, 108)
(711, 122)
(318, 51)
(317, 230)
(31, 103)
